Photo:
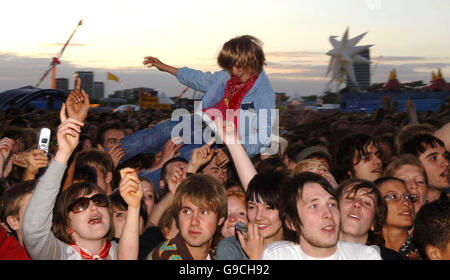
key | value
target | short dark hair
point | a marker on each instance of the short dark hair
(432, 226)
(408, 131)
(269, 187)
(102, 160)
(351, 148)
(107, 126)
(61, 220)
(12, 196)
(418, 144)
(380, 181)
(293, 192)
(270, 164)
(85, 173)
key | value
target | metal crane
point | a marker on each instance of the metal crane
(55, 60)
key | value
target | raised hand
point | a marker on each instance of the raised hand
(221, 158)
(200, 156)
(130, 187)
(36, 159)
(170, 150)
(226, 130)
(117, 153)
(151, 61)
(6, 145)
(68, 136)
(175, 179)
(77, 103)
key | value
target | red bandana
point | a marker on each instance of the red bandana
(86, 256)
(235, 90)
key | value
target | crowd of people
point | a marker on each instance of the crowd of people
(329, 185)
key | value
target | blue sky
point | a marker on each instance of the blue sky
(411, 36)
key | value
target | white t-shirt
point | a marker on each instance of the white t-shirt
(286, 250)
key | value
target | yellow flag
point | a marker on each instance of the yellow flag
(112, 77)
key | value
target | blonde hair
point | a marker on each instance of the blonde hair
(204, 191)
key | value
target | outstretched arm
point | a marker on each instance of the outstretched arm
(39, 240)
(151, 61)
(132, 193)
(244, 166)
(173, 182)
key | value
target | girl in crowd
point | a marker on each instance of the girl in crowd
(81, 220)
(409, 168)
(236, 212)
(400, 216)
(265, 226)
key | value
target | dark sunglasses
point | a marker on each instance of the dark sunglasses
(82, 203)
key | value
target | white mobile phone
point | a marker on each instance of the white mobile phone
(44, 139)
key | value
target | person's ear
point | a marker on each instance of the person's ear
(161, 184)
(350, 174)
(220, 222)
(13, 222)
(289, 225)
(433, 252)
(108, 177)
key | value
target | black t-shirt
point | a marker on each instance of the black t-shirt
(148, 240)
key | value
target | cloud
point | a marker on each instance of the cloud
(401, 58)
(294, 54)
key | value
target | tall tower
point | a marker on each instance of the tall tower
(87, 81)
(362, 72)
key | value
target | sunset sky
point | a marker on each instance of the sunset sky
(411, 36)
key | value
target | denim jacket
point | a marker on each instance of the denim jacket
(255, 124)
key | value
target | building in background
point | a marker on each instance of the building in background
(362, 72)
(87, 81)
(62, 84)
(99, 90)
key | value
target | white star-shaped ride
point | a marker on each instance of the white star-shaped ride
(344, 54)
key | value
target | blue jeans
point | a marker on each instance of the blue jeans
(152, 140)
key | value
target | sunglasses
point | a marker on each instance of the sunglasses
(82, 203)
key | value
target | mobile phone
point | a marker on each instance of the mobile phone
(44, 139)
(240, 226)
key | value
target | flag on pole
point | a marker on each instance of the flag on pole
(112, 77)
